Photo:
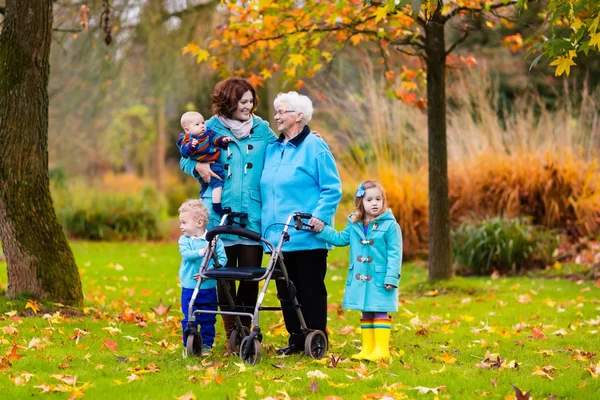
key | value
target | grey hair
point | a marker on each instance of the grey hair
(297, 102)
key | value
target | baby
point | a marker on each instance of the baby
(204, 145)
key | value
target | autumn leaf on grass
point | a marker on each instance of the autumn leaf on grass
(133, 377)
(545, 372)
(594, 370)
(5, 364)
(112, 330)
(314, 386)
(546, 353)
(79, 333)
(334, 360)
(316, 374)
(519, 395)
(12, 355)
(109, 344)
(33, 305)
(22, 379)
(425, 390)
(66, 379)
(446, 359)
(160, 309)
(538, 333)
(187, 396)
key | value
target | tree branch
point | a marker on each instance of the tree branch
(459, 41)
(458, 10)
(409, 41)
(67, 30)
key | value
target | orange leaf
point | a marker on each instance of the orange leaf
(160, 309)
(13, 353)
(112, 346)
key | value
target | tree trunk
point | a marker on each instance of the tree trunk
(40, 262)
(440, 250)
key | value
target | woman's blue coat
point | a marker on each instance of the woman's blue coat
(375, 261)
(243, 162)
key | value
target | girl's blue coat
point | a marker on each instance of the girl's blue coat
(243, 162)
(375, 261)
(190, 261)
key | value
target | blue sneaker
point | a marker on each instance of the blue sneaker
(206, 350)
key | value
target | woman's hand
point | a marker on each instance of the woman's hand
(317, 224)
(203, 169)
(389, 287)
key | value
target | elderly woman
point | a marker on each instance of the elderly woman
(233, 102)
(300, 175)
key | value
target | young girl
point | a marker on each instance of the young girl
(375, 243)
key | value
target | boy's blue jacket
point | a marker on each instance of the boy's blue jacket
(299, 176)
(375, 261)
(189, 248)
(243, 162)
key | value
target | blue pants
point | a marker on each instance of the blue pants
(214, 182)
(205, 321)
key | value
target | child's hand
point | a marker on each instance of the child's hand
(227, 139)
(389, 287)
(194, 142)
(196, 276)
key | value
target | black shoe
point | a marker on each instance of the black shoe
(290, 349)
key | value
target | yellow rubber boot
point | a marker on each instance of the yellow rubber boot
(381, 330)
(368, 339)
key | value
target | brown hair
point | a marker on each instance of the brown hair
(359, 213)
(227, 93)
(197, 208)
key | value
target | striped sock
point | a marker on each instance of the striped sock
(382, 323)
(366, 323)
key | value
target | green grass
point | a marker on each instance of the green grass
(459, 321)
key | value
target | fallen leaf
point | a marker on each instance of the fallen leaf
(160, 309)
(187, 396)
(314, 386)
(112, 346)
(33, 305)
(519, 394)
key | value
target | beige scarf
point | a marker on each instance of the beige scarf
(240, 129)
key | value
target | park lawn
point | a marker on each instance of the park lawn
(545, 333)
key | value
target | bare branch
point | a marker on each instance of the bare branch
(409, 41)
(458, 10)
(67, 30)
(459, 41)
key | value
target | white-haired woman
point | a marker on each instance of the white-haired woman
(300, 175)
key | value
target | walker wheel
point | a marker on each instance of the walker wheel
(236, 338)
(250, 351)
(193, 345)
(315, 345)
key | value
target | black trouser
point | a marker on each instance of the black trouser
(240, 256)
(306, 269)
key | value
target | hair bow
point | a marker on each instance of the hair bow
(360, 192)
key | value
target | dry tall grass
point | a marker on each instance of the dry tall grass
(531, 161)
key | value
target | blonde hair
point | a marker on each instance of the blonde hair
(197, 208)
(359, 213)
(187, 117)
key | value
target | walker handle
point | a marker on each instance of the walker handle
(232, 230)
(304, 215)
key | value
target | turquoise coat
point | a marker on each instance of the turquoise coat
(375, 261)
(191, 260)
(300, 175)
(243, 162)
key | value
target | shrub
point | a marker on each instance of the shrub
(504, 245)
(125, 208)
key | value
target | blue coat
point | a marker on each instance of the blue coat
(375, 261)
(243, 162)
(299, 176)
(191, 260)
